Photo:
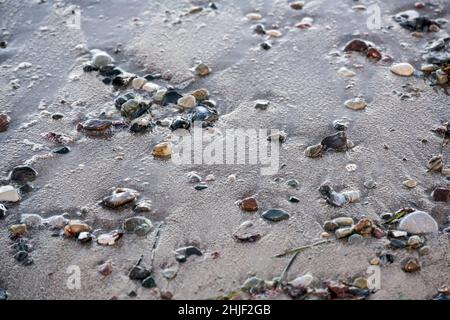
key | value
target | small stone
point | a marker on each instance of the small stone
(231, 178)
(356, 104)
(359, 7)
(262, 104)
(346, 72)
(9, 194)
(18, 229)
(275, 215)
(138, 83)
(23, 174)
(397, 234)
(266, 45)
(293, 183)
(399, 244)
(5, 120)
(411, 265)
(351, 196)
(149, 282)
(330, 226)
(302, 281)
(162, 150)
(166, 295)
(436, 163)
(441, 194)
(314, 151)
(106, 268)
(441, 77)
(143, 206)
(247, 232)
(169, 273)
(3, 45)
(61, 150)
(141, 226)
(187, 102)
(415, 242)
(375, 262)
(360, 283)
(418, 222)
(374, 53)
(370, 184)
(201, 187)
(3, 295)
(101, 59)
(202, 70)
(253, 285)
(151, 87)
(357, 45)
(75, 227)
(182, 254)
(337, 141)
(343, 221)
(57, 116)
(253, 16)
(109, 239)
(297, 5)
(425, 250)
(386, 216)
(429, 68)
(84, 237)
(294, 199)
(410, 183)
(95, 125)
(351, 167)
(139, 273)
(343, 232)
(248, 204)
(274, 33)
(259, 29)
(200, 94)
(355, 239)
(403, 69)
(31, 220)
(378, 233)
(340, 124)
(120, 197)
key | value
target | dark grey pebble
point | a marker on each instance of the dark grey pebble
(151, 77)
(180, 122)
(275, 215)
(294, 199)
(3, 295)
(61, 150)
(149, 282)
(396, 243)
(139, 273)
(57, 116)
(200, 187)
(266, 46)
(23, 174)
(259, 29)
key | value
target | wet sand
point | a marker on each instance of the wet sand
(300, 79)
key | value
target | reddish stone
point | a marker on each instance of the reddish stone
(249, 204)
(441, 194)
(378, 233)
(4, 122)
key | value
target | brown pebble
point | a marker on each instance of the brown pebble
(249, 204)
(4, 122)
(441, 194)
(166, 295)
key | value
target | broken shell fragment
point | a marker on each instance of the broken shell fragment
(120, 197)
(436, 163)
(109, 239)
(356, 103)
(314, 151)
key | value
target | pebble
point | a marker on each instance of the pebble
(294, 199)
(61, 150)
(378, 233)
(429, 68)
(247, 232)
(360, 283)
(5, 120)
(162, 150)
(3, 45)
(253, 285)
(143, 206)
(262, 104)
(18, 229)
(139, 273)
(166, 295)
(274, 33)
(133, 109)
(441, 194)
(201, 94)
(396, 243)
(343, 232)
(31, 220)
(397, 233)
(109, 239)
(138, 83)
(415, 242)
(346, 72)
(330, 226)
(182, 254)
(3, 211)
(356, 103)
(410, 183)
(3, 295)
(120, 197)
(370, 184)
(275, 215)
(293, 183)
(253, 16)
(75, 227)
(95, 125)
(375, 262)
(9, 194)
(23, 174)
(169, 273)
(314, 151)
(138, 225)
(151, 87)
(357, 45)
(418, 222)
(149, 282)
(343, 221)
(425, 250)
(441, 77)
(84, 237)
(248, 204)
(141, 125)
(259, 29)
(187, 102)
(297, 5)
(202, 70)
(56, 222)
(181, 123)
(334, 198)
(101, 59)
(303, 281)
(351, 196)
(266, 45)
(411, 265)
(337, 141)
(106, 268)
(436, 163)
(355, 239)
(403, 69)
